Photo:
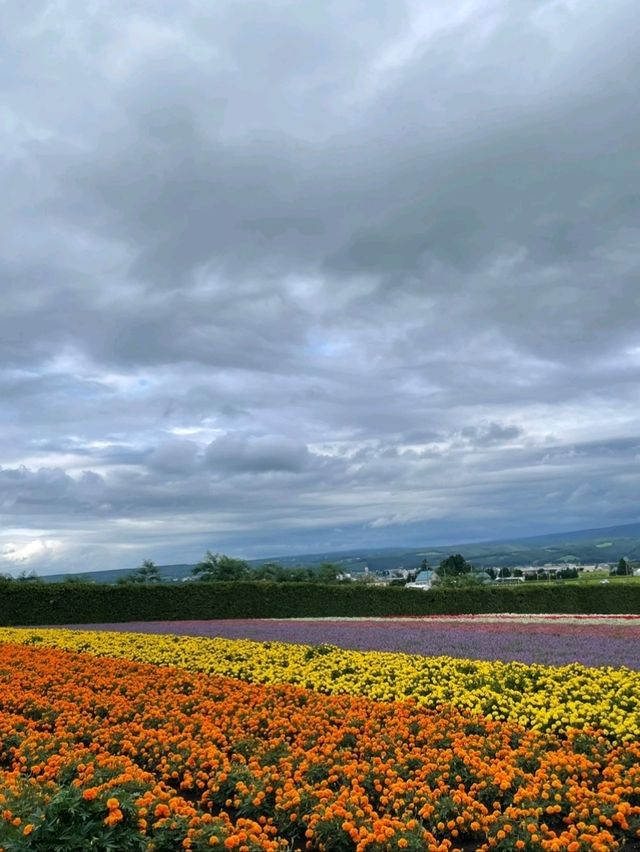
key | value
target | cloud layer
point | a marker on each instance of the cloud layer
(284, 277)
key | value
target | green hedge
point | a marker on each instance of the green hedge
(59, 603)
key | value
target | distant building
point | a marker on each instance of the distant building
(424, 581)
(552, 569)
(549, 570)
(395, 574)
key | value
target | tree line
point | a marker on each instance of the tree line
(218, 567)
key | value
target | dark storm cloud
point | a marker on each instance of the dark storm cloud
(273, 272)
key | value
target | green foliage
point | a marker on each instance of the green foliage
(623, 567)
(148, 572)
(65, 822)
(77, 579)
(31, 577)
(459, 581)
(219, 567)
(60, 603)
(453, 566)
(328, 572)
(569, 574)
(276, 573)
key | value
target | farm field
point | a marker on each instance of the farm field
(553, 640)
(130, 741)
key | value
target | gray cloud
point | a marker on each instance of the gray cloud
(290, 277)
(249, 454)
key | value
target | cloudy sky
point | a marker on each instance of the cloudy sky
(286, 276)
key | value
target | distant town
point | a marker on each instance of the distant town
(586, 556)
(452, 571)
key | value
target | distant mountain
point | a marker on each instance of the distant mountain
(606, 544)
(112, 575)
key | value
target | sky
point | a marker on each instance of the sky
(287, 276)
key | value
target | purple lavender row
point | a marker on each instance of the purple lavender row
(554, 648)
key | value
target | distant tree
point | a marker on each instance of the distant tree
(567, 574)
(328, 572)
(453, 565)
(271, 571)
(146, 573)
(31, 577)
(77, 580)
(424, 565)
(624, 567)
(219, 567)
(300, 575)
(275, 573)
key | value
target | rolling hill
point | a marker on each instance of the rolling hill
(605, 544)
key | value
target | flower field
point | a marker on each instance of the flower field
(552, 640)
(116, 742)
(550, 698)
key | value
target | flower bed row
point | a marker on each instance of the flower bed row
(109, 754)
(551, 642)
(519, 617)
(535, 696)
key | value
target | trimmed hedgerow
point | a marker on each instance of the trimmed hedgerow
(60, 603)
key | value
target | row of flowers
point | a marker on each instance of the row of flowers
(109, 754)
(537, 697)
(519, 617)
